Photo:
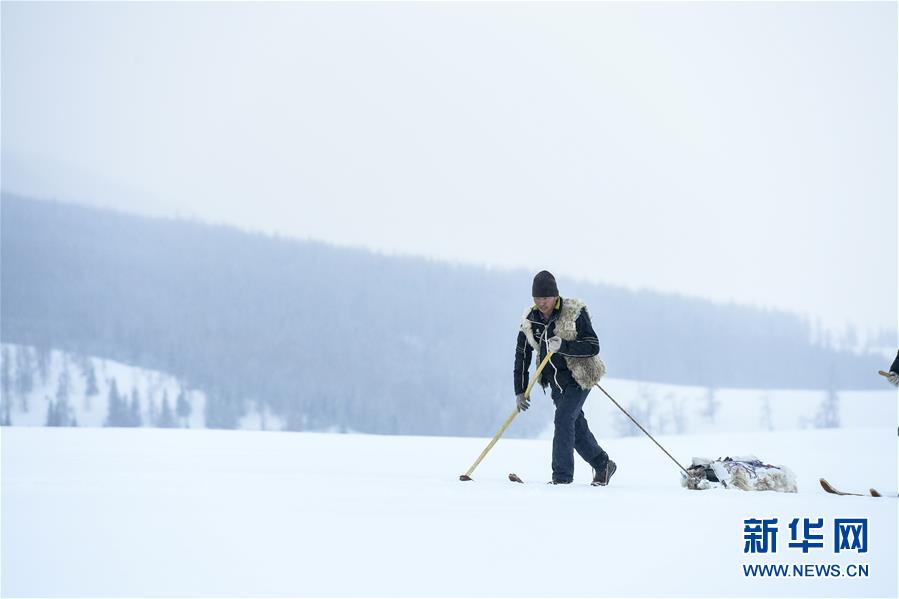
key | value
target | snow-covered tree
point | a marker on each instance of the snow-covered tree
(60, 414)
(678, 414)
(134, 417)
(166, 418)
(118, 410)
(90, 377)
(643, 410)
(63, 385)
(5, 415)
(710, 406)
(64, 412)
(43, 356)
(52, 419)
(59, 411)
(152, 411)
(828, 415)
(765, 414)
(5, 388)
(24, 379)
(5, 373)
(183, 409)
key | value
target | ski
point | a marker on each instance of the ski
(834, 491)
(517, 479)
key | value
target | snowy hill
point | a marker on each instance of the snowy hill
(663, 409)
(137, 512)
(254, 320)
(35, 381)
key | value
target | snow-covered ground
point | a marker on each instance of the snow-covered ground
(173, 512)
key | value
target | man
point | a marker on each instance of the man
(894, 375)
(562, 326)
(894, 371)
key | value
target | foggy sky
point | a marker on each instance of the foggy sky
(741, 152)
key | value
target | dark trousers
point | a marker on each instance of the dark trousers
(572, 434)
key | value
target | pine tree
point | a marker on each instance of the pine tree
(678, 414)
(5, 387)
(765, 417)
(116, 415)
(24, 380)
(710, 409)
(828, 415)
(5, 373)
(152, 412)
(6, 418)
(183, 409)
(90, 378)
(166, 417)
(63, 385)
(60, 413)
(643, 410)
(43, 357)
(52, 418)
(91, 386)
(134, 417)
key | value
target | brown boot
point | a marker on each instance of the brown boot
(602, 476)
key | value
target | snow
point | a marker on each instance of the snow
(173, 512)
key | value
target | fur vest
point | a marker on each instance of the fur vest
(585, 371)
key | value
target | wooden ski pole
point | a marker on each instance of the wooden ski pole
(527, 393)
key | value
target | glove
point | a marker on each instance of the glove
(523, 402)
(553, 344)
(894, 378)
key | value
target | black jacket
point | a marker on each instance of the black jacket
(556, 372)
(895, 366)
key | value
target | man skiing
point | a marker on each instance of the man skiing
(562, 326)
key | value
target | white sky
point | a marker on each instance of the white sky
(742, 152)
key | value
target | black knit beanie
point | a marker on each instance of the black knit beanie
(544, 285)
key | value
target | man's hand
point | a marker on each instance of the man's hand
(894, 378)
(554, 343)
(523, 402)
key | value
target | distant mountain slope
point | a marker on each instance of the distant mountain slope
(55, 388)
(327, 337)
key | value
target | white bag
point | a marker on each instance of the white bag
(747, 473)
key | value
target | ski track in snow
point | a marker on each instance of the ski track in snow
(127, 512)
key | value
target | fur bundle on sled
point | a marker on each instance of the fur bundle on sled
(747, 473)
